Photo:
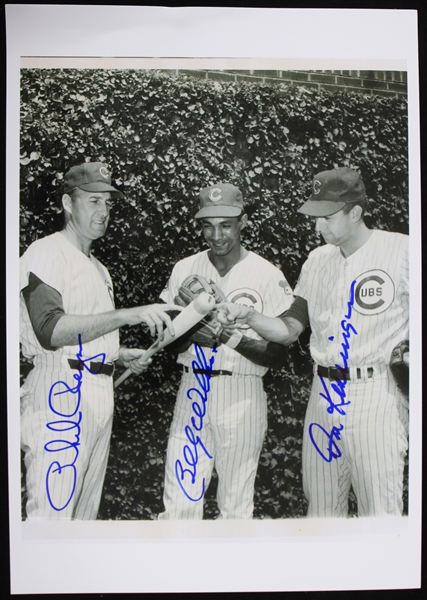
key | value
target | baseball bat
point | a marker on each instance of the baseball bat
(190, 316)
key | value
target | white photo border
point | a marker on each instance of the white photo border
(211, 556)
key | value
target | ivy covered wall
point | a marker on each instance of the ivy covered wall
(165, 137)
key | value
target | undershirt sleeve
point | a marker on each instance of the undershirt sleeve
(298, 310)
(45, 308)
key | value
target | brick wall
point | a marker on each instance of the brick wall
(385, 83)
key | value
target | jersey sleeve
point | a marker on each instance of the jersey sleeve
(298, 311)
(278, 295)
(44, 259)
(171, 289)
(45, 308)
(301, 288)
(167, 294)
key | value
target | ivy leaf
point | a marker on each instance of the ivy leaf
(166, 137)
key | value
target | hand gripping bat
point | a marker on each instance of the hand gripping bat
(186, 319)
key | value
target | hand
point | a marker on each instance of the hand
(179, 302)
(227, 333)
(153, 315)
(406, 358)
(130, 358)
(233, 315)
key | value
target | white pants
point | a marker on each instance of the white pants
(232, 433)
(65, 456)
(367, 448)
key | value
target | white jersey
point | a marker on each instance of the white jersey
(235, 422)
(355, 434)
(86, 289)
(379, 310)
(253, 281)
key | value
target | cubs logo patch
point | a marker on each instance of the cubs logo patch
(215, 194)
(316, 186)
(104, 172)
(247, 297)
(374, 292)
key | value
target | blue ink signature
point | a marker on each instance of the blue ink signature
(191, 454)
(339, 386)
(332, 447)
(62, 425)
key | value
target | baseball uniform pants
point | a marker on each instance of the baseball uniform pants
(233, 431)
(373, 439)
(48, 438)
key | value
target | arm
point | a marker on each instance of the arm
(54, 328)
(261, 352)
(182, 343)
(45, 308)
(93, 326)
(284, 329)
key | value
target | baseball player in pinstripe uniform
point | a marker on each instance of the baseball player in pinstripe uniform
(69, 330)
(354, 292)
(236, 411)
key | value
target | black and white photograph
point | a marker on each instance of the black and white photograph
(216, 269)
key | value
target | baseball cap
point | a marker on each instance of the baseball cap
(221, 200)
(90, 177)
(332, 190)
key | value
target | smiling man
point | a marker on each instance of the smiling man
(354, 293)
(235, 402)
(69, 330)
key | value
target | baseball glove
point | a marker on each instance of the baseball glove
(399, 368)
(207, 332)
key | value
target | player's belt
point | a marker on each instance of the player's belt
(207, 372)
(334, 373)
(96, 368)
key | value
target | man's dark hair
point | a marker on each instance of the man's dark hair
(74, 193)
(349, 205)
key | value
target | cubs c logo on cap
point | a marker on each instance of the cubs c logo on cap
(247, 297)
(316, 186)
(374, 292)
(215, 194)
(104, 172)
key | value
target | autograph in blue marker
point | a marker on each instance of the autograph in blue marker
(191, 451)
(331, 450)
(68, 422)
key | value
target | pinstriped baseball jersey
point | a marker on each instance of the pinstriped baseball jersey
(85, 287)
(373, 443)
(381, 305)
(253, 282)
(233, 432)
(97, 407)
(355, 433)
(84, 284)
(236, 409)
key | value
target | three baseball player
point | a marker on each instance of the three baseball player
(69, 330)
(354, 293)
(220, 416)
